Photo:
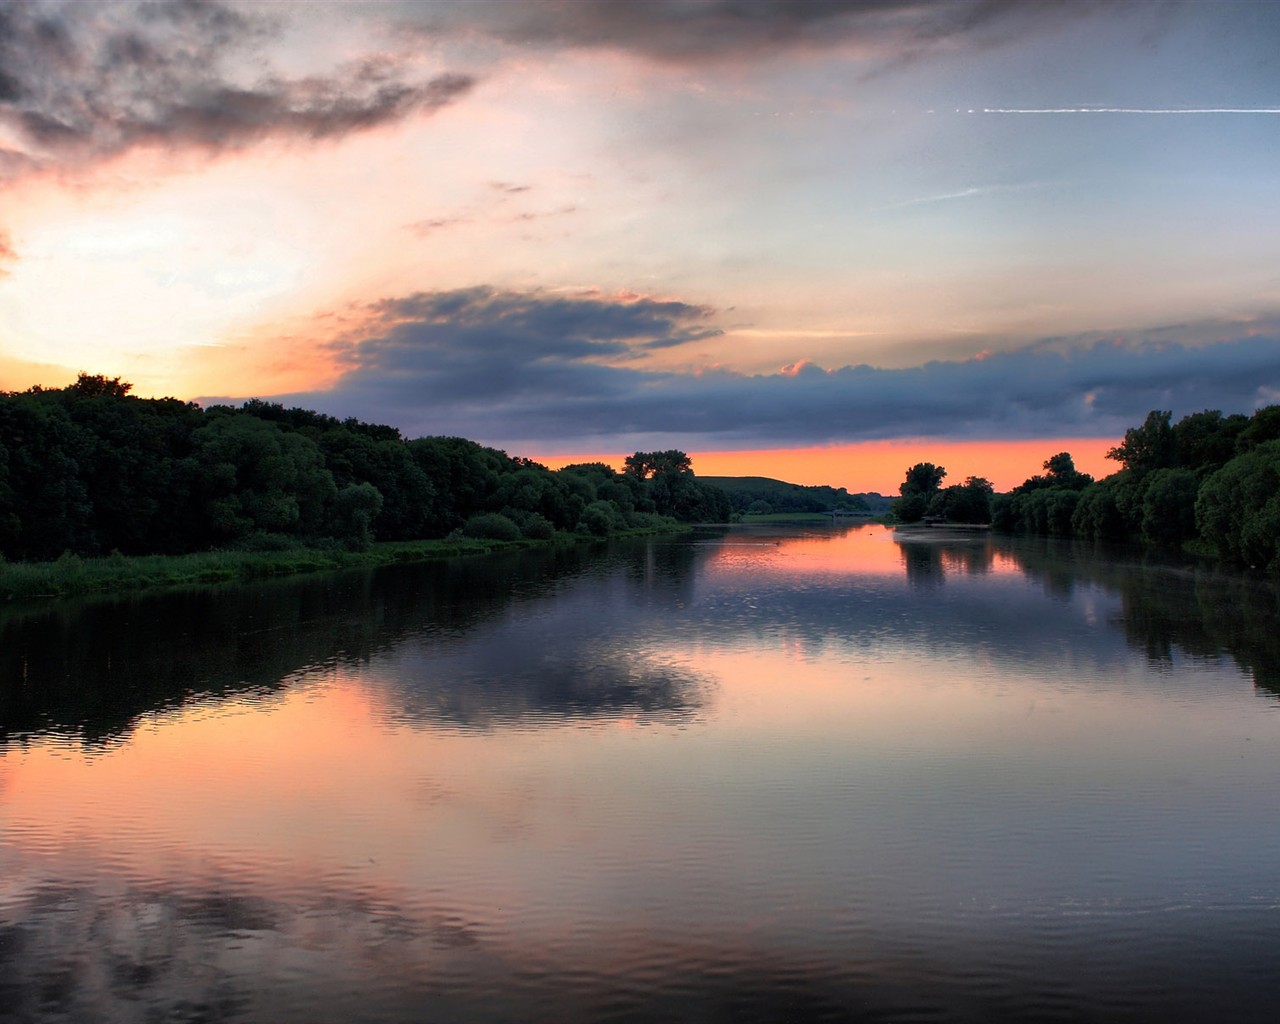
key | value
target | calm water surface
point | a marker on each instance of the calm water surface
(757, 775)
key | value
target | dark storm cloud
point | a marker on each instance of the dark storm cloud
(681, 30)
(532, 369)
(484, 325)
(80, 82)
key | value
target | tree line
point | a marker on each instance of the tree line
(762, 495)
(91, 469)
(1207, 480)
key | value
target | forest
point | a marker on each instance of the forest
(91, 470)
(758, 495)
(1209, 483)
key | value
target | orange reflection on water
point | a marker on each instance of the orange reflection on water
(819, 550)
(292, 782)
(868, 550)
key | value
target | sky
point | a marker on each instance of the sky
(817, 240)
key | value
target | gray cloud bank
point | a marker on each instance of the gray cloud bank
(83, 82)
(533, 371)
(696, 30)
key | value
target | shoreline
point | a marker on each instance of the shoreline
(73, 576)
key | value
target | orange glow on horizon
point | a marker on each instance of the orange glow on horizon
(880, 466)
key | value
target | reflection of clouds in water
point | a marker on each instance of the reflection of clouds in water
(582, 632)
(593, 651)
(123, 953)
(162, 953)
(93, 667)
(488, 681)
(134, 955)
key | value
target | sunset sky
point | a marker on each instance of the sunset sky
(839, 235)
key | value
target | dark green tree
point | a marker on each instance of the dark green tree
(261, 479)
(647, 464)
(1205, 441)
(1263, 426)
(1238, 507)
(95, 386)
(1148, 447)
(917, 490)
(1169, 507)
(1096, 516)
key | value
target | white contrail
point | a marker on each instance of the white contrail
(1129, 110)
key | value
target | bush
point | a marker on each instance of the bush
(68, 566)
(910, 508)
(264, 541)
(599, 518)
(1238, 507)
(537, 527)
(1097, 516)
(491, 526)
(1169, 507)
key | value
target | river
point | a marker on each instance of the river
(752, 774)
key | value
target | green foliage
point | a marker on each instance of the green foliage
(910, 508)
(535, 526)
(923, 481)
(1206, 441)
(90, 469)
(666, 485)
(969, 502)
(1060, 473)
(643, 465)
(1040, 510)
(1148, 447)
(263, 541)
(491, 526)
(1238, 507)
(68, 565)
(1206, 481)
(261, 478)
(1096, 516)
(1263, 426)
(96, 385)
(922, 478)
(599, 518)
(355, 509)
(744, 491)
(1169, 507)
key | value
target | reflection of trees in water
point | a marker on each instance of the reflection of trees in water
(1203, 610)
(929, 559)
(923, 564)
(91, 667)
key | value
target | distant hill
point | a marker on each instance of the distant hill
(754, 493)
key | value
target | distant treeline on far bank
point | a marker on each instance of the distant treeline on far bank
(1210, 482)
(90, 469)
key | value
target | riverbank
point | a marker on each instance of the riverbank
(72, 575)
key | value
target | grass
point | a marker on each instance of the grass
(71, 575)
